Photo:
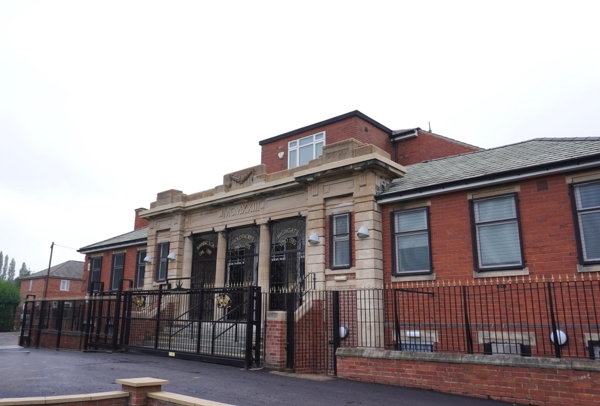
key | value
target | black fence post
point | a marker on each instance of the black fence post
(40, 323)
(557, 351)
(290, 304)
(249, 325)
(258, 323)
(157, 329)
(469, 337)
(59, 321)
(336, 327)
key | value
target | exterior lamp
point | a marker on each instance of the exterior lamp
(343, 332)
(363, 232)
(148, 259)
(171, 256)
(558, 336)
(313, 239)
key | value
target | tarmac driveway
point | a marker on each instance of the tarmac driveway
(39, 372)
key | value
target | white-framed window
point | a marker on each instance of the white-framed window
(65, 284)
(587, 211)
(30, 284)
(411, 240)
(340, 253)
(301, 151)
(496, 233)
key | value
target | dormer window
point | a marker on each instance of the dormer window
(305, 149)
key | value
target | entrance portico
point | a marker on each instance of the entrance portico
(253, 229)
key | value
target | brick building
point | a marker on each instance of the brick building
(65, 281)
(429, 244)
(122, 257)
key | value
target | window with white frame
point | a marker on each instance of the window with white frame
(301, 151)
(496, 233)
(341, 256)
(65, 284)
(411, 240)
(587, 210)
(30, 284)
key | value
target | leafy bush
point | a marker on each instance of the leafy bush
(10, 297)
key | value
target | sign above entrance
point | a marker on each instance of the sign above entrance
(241, 209)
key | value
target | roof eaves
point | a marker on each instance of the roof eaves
(97, 248)
(489, 179)
(332, 120)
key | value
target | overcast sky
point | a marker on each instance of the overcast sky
(104, 104)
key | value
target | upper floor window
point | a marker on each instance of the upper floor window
(65, 284)
(340, 241)
(587, 209)
(411, 230)
(30, 284)
(496, 233)
(301, 151)
(163, 261)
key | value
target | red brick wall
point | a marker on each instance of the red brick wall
(521, 385)
(139, 223)
(353, 127)
(106, 270)
(427, 146)
(546, 225)
(275, 343)
(54, 291)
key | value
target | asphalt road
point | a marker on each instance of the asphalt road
(40, 372)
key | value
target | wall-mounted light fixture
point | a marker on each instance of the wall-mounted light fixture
(343, 332)
(560, 337)
(313, 239)
(171, 256)
(363, 232)
(280, 155)
(148, 259)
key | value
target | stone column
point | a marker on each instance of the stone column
(264, 258)
(188, 253)
(220, 277)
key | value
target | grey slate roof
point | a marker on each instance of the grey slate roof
(513, 159)
(135, 237)
(66, 270)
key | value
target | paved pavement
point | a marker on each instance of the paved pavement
(40, 372)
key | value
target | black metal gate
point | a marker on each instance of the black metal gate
(220, 325)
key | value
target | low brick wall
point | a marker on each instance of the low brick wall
(134, 392)
(535, 381)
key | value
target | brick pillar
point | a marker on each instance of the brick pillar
(275, 340)
(138, 389)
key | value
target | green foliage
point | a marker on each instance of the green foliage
(11, 270)
(1, 265)
(5, 267)
(10, 296)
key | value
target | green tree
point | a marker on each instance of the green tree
(12, 269)
(10, 296)
(24, 271)
(1, 263)
(5, 267)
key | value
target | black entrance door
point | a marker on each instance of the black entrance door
(242, 262)
(287, 259)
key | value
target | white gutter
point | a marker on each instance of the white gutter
(486, 182)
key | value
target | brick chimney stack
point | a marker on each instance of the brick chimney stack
(139, 223)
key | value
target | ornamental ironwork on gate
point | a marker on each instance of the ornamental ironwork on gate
(175, 322)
